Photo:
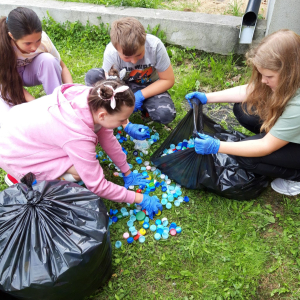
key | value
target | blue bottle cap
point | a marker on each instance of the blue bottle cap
(114, 219)
(153, 228)
(145, 173)
(143, 168)
(111, 211)
(166, 229)
(170, 198)
(120, 128)
(178, 229)
(115, 211)
(157, 222)
(160, 226)
(130, 240)
(165, 235)
(186, 199)
(168, 205)
(160, 231)
(132, 228)
(146, 225)
(146, 220)
(135, 153)
(163, 188)
(157, 236)
(135, 171)
(165, 196)
(134, 232)
(132, 218)
(165, 223)
(130, 223)
(176, 203)
(164, 201)
(118, 244)
(142, 239)
(152, 189)
(109, 221)
(173, 224)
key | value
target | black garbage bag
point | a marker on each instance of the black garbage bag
(54, 241)
(219, 173)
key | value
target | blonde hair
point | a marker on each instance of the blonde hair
(128, 34)
(279, 52)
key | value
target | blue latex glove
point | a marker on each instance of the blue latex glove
(206, 144)
(139, 99)
(200, 96)
(134, 179)
(151, 204)
(137, 131)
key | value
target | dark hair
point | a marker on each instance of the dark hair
(20, 22)
(123, 98)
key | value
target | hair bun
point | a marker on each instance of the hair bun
(106, 92)
(114, 73)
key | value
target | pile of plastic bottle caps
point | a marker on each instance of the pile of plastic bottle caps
(181, 146)
(139, 224)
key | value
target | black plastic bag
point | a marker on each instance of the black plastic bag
(54, 241)
(218, 173)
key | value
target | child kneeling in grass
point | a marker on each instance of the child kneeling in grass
(147, 66)
(268, 106)
(57, 136)
(28, 58)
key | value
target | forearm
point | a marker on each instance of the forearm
(66, 75)
(138, 198)
(28, 96)
(157, 87)
(234, 95)
(251, 148)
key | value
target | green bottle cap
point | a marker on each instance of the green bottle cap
(140, 216)
(119, 215)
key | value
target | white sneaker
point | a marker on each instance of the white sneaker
(286, 187)
(9, 180)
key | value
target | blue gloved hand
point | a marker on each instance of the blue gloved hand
(139, 99)
(151, 204)
(206, 144)
(200, 96)
(137, 131)
(134, 179)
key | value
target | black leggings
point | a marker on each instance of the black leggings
(283, 163)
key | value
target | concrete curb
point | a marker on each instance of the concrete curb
(210, 33)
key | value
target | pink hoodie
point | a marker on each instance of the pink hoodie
(49, 135)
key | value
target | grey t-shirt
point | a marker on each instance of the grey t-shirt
(156, 59)
(287, 127)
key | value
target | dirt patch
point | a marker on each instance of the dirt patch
(218, 7)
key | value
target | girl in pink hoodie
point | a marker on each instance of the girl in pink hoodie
(58, 134)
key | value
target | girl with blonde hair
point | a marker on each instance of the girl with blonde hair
(269, 105)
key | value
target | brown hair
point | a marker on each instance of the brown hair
(128, 34)
(123, 98)
(20, 22)
(279, 52)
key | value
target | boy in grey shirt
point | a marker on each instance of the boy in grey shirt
(145, 66)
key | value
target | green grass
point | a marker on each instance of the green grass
(228, 249)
